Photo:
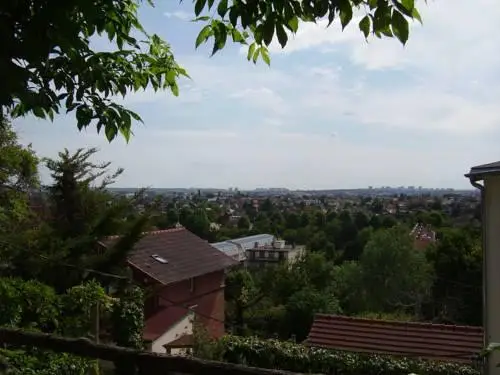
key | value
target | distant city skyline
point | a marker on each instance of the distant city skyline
(283, 189)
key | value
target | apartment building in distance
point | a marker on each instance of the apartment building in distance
(260, 249)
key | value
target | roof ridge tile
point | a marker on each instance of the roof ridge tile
(400, 323)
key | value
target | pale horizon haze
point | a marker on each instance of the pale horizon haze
(332, 111)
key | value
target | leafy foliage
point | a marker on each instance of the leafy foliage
(394, 274)
(57, 69)
(281, 300)
(204, 345)
(35, 306)
(258, 23)
(284, 355)
(128, 316)
(44, 72)
(75, 197)
(457, 292)
(82, 212)
(18, 175)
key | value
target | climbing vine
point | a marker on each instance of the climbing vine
(127, 315)
(128, 324)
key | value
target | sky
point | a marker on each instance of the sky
(332, 110)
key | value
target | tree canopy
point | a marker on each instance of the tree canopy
(48, 63)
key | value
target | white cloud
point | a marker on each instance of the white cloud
(273, 122)
(184, 16)
(412, 108)
(262, 97)
(456, 36)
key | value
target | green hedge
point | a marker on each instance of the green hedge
(290, 356)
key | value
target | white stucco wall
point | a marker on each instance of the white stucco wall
(183, 327)
(492, 267)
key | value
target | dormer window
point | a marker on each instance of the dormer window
(159, 258)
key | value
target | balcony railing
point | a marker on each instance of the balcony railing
(145, 363)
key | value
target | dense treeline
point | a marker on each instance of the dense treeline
(361, 261)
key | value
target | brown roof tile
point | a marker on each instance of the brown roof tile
(423, 340)
(186, 254)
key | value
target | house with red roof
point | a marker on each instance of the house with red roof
(185, 275)
(439, 342)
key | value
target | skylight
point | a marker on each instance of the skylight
(159, 259)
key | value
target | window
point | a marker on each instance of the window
(262, 254)
(192, 285)
(159, 259)
(282, 255)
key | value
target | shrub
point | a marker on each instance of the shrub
(289, 356)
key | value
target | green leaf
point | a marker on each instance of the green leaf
(364, 25)
(202, 18)
(265, 55)
(408, 4)
(171, 77)
(204, 34)
(400, 26)
(126, 125)
(220, 36)
(381, 19)
(237, 37)
(50, 113)
(233, 15)
(83, 116)
(126, 133)
(222, 8)
(268, 31)
(331, 16)
(39, 112)
(110, 131)
(416, 15)
(251, 51)
(256, 55)
(387, 32)
(135, 116)
(198, 7)
(257, 34)
(293, 24)
(175, 89)
(281, 34)
(345, 8)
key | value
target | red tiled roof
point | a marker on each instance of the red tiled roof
(187, 255)
(423, 340)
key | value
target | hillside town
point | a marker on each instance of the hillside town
(376, 251)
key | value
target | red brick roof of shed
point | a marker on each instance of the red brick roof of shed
(186, 255)
(422, 340)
